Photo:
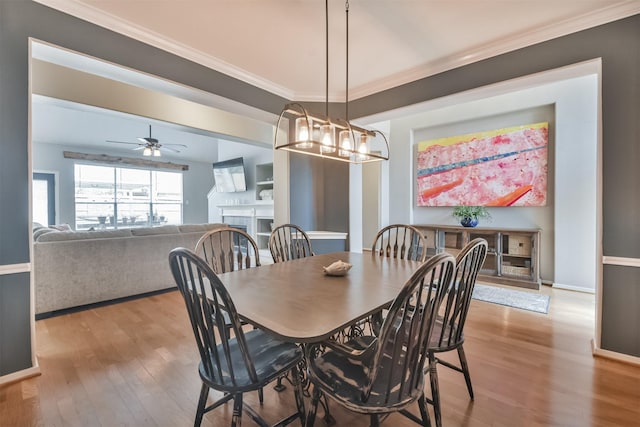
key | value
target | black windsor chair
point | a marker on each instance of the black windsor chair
(448, 330)
(397, 241)
(288, 241)
(385, 374)
(400, 241)
(232, 365)
(228, 249)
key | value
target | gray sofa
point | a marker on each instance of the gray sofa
(77, 268)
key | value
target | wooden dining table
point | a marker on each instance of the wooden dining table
(298, 302)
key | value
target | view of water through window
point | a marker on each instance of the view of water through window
(109, 197)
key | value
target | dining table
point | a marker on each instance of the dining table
(297, 302)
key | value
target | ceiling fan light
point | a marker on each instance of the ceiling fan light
(156, 152)
(146, 151)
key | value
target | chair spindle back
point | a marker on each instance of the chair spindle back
(456, 305)
(287, 242)
(400, 241)
(397, 368)
(228, 249)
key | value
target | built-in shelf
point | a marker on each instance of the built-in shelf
(264, 181)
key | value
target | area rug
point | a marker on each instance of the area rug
(512, 298)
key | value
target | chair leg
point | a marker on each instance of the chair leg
(236, 420)
(260, 396)
(328, 418)
(435, 390)
(202, 402)
(465, 370)
(311, 416)
(375, 422)
(424, 412)
(279, 386)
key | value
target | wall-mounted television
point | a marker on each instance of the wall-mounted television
(229, 176)
(501, 167)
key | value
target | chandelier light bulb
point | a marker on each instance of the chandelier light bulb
(363, 149)
(328, 144)
(304, 127)
(345, 143)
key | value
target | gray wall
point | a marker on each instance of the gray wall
(319, 193)
(617, 43)
(20, 20)
(196, 182)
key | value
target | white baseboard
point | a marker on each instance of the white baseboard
(20, 375)
(620, 357)
(573, 288)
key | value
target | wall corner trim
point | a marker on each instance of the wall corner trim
(15, 268)
(20, 375)
(620, 357)
(627, 262)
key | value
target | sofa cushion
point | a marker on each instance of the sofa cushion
(41, 231)
(83, 235)
(149, 231)
(191, 228)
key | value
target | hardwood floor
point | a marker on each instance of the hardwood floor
(134, 364)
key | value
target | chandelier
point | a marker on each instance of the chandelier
(328, 137)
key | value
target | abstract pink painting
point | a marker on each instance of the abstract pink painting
(502, 167)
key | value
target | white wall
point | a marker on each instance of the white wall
(570, 236)
(252, 155)
(568, 247)
(49, 158)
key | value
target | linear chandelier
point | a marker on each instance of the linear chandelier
(328, 137)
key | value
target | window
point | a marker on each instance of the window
(108, 197)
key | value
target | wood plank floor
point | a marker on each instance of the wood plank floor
(134, 364)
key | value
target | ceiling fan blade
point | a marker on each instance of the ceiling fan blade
(122, 142)
(174, 145)
(144, 140)
(141, 147)
(173, 150)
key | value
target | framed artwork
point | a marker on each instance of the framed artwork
(502, 167)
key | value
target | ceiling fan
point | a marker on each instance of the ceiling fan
(151, 146)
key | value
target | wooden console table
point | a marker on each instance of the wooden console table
(512, 259)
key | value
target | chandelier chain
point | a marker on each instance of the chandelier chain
(346, 9)
(326, 59)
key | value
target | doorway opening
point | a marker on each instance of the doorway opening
(44, 198)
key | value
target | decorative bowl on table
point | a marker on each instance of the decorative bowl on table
(338, 268)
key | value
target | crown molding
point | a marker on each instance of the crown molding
(504, 45)
(129, 29)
